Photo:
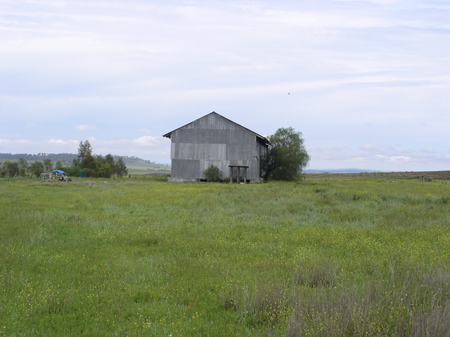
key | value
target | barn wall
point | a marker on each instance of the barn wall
(213, 140)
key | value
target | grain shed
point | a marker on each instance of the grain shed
(215, 140)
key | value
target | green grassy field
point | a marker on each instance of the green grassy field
(143, 257)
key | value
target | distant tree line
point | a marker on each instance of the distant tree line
(65, 158)
(85, 161)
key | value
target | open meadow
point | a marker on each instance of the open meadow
(339, 256)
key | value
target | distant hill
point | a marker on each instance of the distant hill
(63, 157)
(134, 164)
(419, 175)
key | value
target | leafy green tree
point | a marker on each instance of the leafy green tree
(76, 162)
(3, 171)
(112, 163)
(286, 156)
(103, 169)
(9, 169)
(23, 167)
(88, 161)
(121, 168)
(59, 165)
(48, 165)
(13, 169)
(212, 174)
(84, 149)
(23, 163)
(100, 161)
(37, 168)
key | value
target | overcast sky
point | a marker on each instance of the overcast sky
(367, 82)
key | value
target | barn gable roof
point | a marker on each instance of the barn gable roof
(260, 138)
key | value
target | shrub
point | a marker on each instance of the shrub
(73, 171)
(89, 173)
(212, 174)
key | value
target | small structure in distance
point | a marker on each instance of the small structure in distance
(56, 174)
(216, 140)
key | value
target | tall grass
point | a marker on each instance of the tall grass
(142, 256)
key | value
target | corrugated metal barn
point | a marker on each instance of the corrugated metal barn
(216, 140)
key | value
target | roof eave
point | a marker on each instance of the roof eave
(263, 139)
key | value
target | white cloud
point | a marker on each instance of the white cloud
(62, 142)
(83, 127)
(124, 144)
(400, 159)
(324, 19)
(5, 142)
(144, 141)
(23, 141)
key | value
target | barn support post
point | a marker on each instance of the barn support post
(238, 178)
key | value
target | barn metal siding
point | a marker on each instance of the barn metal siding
(214, 140)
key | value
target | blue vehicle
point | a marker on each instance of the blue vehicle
(60, 175)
